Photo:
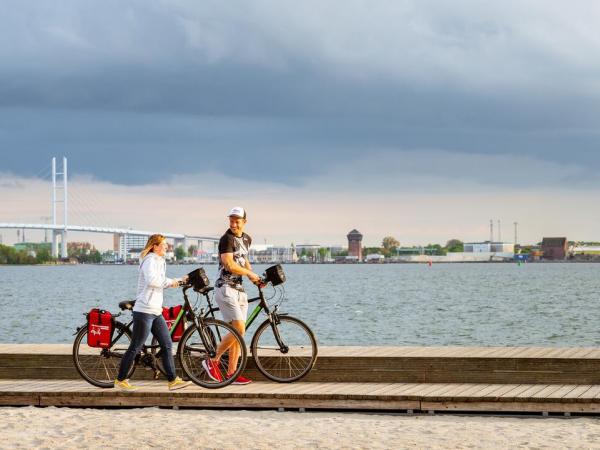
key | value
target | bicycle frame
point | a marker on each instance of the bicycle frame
(180, 317)
(272, 316)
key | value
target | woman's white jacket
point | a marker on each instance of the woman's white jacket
(152, 280)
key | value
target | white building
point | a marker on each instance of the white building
(267, 254)
(488, 247)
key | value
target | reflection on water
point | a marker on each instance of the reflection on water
(460, 304)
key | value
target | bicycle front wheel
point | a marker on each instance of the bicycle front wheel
(198, 348)
(100, 366)
(285, 350)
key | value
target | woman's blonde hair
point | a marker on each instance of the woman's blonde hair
(155, 239)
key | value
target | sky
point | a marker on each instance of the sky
(417, 119)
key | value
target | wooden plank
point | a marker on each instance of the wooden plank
(583, 352)
(515, 391)
(591, 392)
(577, 392)
(548, 390)
(391, 390)
(511, 406)
(204, 402)
(490, 390)
(569, 352)
(407, 388)
(532, 391)
(500, 352)
(540, 352)
(424, 389)
(594, 354)
(474, 390)
(447, 389)
(560, 393)
(482, 352)
(20, 400)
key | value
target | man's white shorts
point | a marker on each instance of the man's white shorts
(232, 303)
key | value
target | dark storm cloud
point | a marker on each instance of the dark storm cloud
(288, 90)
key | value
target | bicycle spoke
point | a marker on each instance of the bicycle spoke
(195, 351)
(96, 365)
(294, 360)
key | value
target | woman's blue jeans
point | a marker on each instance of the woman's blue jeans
(143, 325)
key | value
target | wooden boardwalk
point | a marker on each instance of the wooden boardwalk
(415, 397)
(488, 365)
(494, 379)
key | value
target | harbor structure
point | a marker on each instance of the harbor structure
(355, 244)
(554, 248)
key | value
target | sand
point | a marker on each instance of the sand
(72, 428)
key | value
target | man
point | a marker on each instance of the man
(234, 264)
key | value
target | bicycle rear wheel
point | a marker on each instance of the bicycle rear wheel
(197, 346)
(289, 362)
(100, 366)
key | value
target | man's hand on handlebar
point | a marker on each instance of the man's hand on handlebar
(256, 280)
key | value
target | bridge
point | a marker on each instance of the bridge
(123, 236)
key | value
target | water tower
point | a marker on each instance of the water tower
(355, 244)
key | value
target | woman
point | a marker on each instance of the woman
(147, 313)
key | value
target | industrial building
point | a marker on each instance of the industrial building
(554, 248)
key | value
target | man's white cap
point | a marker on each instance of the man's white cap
(237, 211)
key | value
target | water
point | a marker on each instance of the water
(446, 304)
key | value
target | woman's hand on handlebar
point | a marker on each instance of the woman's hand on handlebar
(182, 282)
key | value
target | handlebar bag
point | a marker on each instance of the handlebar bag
(198, 279)
(100, 327)
(170, 315)
(275, 275)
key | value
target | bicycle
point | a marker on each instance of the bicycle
(99, 366)
(288, 353)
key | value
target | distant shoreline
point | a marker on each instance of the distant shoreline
(566, 261)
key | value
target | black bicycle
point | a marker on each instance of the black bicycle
(283, 347)
(199, 342)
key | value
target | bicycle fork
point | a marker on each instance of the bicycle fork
(208, 343)
(274, 320)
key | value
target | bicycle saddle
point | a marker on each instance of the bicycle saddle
(126, 304)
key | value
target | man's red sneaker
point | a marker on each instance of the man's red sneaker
(212, 369)
(241, 380)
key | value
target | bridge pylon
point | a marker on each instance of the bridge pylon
(55, 200)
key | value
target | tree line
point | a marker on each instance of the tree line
(10, 255)
(390, 247)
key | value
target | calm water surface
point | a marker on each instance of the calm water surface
(460, 304)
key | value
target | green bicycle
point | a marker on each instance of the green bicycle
(283, 347)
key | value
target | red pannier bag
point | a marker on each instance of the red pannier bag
(100, 328)
(170, 315)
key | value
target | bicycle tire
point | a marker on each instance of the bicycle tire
(191, 352)
(277, 365)
(94, 365)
